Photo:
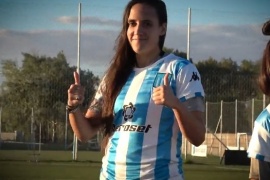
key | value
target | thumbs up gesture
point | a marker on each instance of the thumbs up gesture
(76, 92)
(163, 95)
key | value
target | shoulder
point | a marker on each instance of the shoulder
(177, 63)
(264, 119)
(172, 58)
(264, 116)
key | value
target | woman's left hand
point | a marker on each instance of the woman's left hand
(163, 95)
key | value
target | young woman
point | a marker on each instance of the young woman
(259, 147)
(145, 103)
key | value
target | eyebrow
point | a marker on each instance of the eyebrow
(133, 20)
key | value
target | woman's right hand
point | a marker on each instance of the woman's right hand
(75, 92)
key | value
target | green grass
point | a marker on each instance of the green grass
(35, 171)
(58, 165)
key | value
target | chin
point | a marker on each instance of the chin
(139, 50)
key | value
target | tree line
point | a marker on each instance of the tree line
(40, 85)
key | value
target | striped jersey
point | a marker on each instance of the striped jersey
(259, 145)
(146, 143)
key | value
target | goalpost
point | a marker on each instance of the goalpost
(75, 140)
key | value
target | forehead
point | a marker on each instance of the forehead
(142, 12)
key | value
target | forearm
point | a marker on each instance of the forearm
(254, 169)
(83, 127)
(191, 124)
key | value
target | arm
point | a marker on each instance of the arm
(85, 126)
(191, 123)
(254, 169)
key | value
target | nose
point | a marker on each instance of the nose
(138, 29)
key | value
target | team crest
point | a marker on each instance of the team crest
(128, 111)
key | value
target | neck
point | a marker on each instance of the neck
(144, 60)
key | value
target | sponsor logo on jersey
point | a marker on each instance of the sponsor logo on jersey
(133, 128)
(128, 111)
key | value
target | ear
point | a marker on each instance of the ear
(163, 29)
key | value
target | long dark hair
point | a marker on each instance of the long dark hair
(264, 77)
(123, 62)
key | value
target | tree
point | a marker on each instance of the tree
(225, 80)
(249, 67)
(40, 83)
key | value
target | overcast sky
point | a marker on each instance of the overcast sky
(220, 29)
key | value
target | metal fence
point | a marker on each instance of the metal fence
(229, 125)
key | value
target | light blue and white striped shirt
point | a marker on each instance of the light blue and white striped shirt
(146, 143)
(259, 145)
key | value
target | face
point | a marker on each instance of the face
(144, 29)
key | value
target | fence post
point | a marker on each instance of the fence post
(206, 121)
(221, 124)
(32, 130)
(252, 115)
(236, 118)
(0, 126)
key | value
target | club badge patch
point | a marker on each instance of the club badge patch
(128, 111)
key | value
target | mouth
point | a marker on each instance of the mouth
(135, 39)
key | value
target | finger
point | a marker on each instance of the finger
(156, 91)
(76, 78)
(166, 79)
(72, 88)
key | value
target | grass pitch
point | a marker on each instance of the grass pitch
(58, 165)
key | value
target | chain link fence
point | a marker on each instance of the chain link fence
(224, 122)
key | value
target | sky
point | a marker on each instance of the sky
(219, 29)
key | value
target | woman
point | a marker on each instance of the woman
(145, 102)
(259, 146)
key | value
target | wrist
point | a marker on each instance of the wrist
(175, 103)
(72, 109)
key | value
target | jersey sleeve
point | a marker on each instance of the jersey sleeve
(259, 146)
(188, 83)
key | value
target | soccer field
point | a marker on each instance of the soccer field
(58, 165)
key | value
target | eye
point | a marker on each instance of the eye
(132, 23)
(147, 23)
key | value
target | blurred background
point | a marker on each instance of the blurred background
(39, 52)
